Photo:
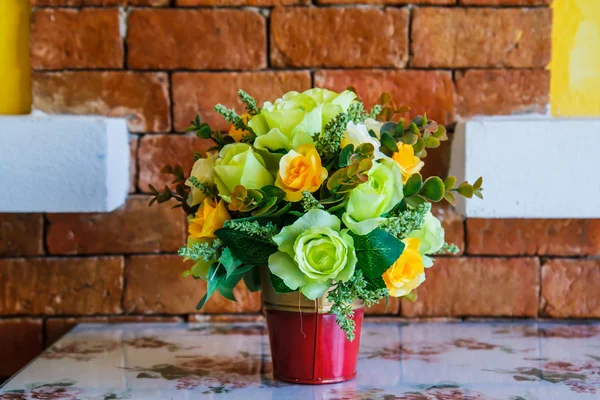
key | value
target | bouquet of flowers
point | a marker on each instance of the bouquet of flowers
(325, 194)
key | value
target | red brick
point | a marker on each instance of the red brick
(424, 91)
(482, 287)
(452, 222)
(558, 237)
(57, 327)
(231, 3)
(156, 151)
(339, 37)
(437, 162)
(195, 93)
(480, 37)
(501, 92)
(196, 39)
(133, 149)
(155, 285)
(21, 235)
(54, 286)
(504, 2)
(21, 342)
(133, 228)
(391, 308)
(67, 38)
(571, 289)
(142, 98)
(79, 3)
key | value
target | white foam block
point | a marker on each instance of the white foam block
(63, 163)
(533, 167)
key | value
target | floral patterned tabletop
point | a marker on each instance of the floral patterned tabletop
(415, 361)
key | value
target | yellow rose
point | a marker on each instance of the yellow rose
(238, 134)
(299, 171)
(208, 219)
(204, 173)
(408, 162)
(407, 272)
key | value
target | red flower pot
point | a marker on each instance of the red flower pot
(307, 345)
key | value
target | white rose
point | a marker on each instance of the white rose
(358, 134)
(374, 125)
(204, 172)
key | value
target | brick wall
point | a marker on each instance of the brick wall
(158, 62)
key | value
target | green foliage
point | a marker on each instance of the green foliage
(206, 251)
(309, 202)
(216, 274)
(354, 165)
(434, 189)
(253, 228)
(259, 202)
(249, 249)
(249, 102)
(344, 294)
(279, 285)
(375, 253)
(402, 224)
(229, 261)
(252, 279)
(203, 131)
(180, 194)
(328, 141)
(375, 111)
(209, 190)
(448, 248)
(357, 113)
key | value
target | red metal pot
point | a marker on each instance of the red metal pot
(307, 346)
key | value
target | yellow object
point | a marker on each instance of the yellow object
(15, 69)
(210, 217)
(299, 171)
(407, 272)
(575, 67)
(408, 162)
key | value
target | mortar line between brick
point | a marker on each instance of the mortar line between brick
(171, 102)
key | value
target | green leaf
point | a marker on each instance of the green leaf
(204, 132)
(273, 191)
(375, 253)
(216, 274)
(440, 133)
(251, 250)
(416, 200)
(478, 183)
(465, 190)
(433, 189)
(388, 141)
(413, 128)
(450, 182)
(412, 296)
(228, 285)
(419, 146)
(432, 142)
(413, 185)
(229, 261)
(345, 155)
(279, 285)
(389, 127)
(478, 194)
(449, 196)
(252, 279)
(399, 128)
(409, 138)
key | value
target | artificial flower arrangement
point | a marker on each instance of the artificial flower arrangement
(325, 194)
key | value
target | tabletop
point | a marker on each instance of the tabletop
(414, 361)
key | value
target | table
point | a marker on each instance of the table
(414, 361)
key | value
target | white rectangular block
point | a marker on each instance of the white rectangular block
(532, 167)
(63, 163)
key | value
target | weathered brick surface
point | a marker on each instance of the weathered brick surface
(339, 37)
(156, 151)
(21, 235)
(571, 289)
(142, 98)
(504, 2)
(501, 92)
(230, 3)
(424, 91)
(392, 307)
(133, 228)
(196, 39)
(478, 287)
(155, 285)
(452, 222)
(195, 93)
(68, 38)
(133, 149)
(558, 237)
(79, 3)
(20, 342)
(57, 327)
(55, 286)
(480, 37)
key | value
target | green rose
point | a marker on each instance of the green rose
(431, 236)
(239, 164)
(370, 200)
(292, 120)
(313, 253)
